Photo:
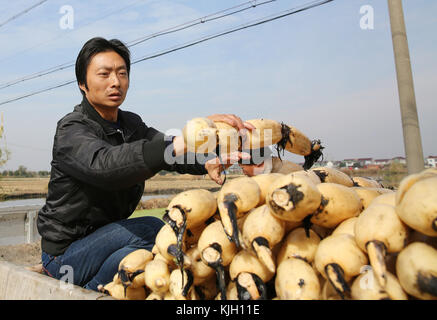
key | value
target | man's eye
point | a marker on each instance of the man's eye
(104, 74)
(123, 73)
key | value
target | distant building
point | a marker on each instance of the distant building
(360, 162)
(401, 160)
(381, 162)
(337, 164)
(349, 162)
(432, 161)
(364, 162)
(370, 163)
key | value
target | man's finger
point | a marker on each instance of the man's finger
(252, 170)
(248, 125)
(216, 177)
(234, 156)
(240, 124)
(243, 155)
(234, 121)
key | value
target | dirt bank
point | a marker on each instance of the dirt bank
(29, 254)
(26, 254)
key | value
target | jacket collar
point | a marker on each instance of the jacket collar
(92, 113)
(128, 123)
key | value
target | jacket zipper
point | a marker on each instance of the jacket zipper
(122, 134)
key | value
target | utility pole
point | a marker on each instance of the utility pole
(407, 98)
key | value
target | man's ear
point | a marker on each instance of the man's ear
(83, 87)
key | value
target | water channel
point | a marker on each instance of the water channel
(41, 201)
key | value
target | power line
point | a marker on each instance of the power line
(270, 18)
(22, 12)
(38, 92)
(132, 43)
(37, 74)
(201, 20)
(62, 34)
(241, 27)
(61, 66)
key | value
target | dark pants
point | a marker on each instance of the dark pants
(94, 260)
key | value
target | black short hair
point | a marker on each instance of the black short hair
(94, 46)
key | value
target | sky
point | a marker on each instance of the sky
(318, 70)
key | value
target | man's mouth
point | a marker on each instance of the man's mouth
(115, 96)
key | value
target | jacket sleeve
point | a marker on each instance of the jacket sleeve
(188, 163)
(83, 154)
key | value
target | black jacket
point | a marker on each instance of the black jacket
(98, 173)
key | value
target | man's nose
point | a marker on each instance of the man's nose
(115, 82)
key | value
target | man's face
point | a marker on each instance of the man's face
(107, 80)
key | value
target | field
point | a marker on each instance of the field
(157, 212)
(16, 188)
(11, 188)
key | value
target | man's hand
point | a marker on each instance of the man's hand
(232, 120)
(216, 166)
(252, 169)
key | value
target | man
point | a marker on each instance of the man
(101, 158)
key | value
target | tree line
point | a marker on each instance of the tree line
(23, 172)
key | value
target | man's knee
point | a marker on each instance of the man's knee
(143, 227)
